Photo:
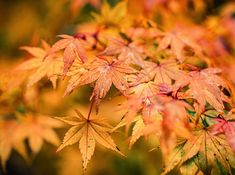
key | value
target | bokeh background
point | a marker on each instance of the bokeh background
(27, 22)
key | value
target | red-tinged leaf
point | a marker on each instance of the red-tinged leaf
(151, 110)
(165, 72)
(128, 53)
(69, 57)
(175, 123)
(147, 105)
(204, 86)
(61, 44)
(73, 48)
(105, 73)
(144, 91)
(176, 117)
(226, 126)
(178, 43)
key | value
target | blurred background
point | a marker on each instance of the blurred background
(27, 22)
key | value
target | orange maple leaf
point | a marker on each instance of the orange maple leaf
(51, 67)
(126, 52)
(204, 86)
(164, 72)
(175, 123)
(178, 42)
(38, 128)
(105, 73)
(11, 138)
(73, 47)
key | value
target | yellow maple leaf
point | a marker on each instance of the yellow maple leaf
(87, 131)
(109, 15)
(211, 154)
(141, 129)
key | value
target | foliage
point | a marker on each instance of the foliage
(174, 79)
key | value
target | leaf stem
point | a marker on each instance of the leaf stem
(91, 107)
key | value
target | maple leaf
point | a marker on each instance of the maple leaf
(136, 131)
(210, 153)
(105, 73)
(141, 99)
(51, 67)
(38, 128)
(147, 83)
(143, 91)
(178, 42)
(149, 109)
(132, 107)
(75, 74)
(204, 86)
(142, 129)
(175, 122)
(227, 126)
(87, 131)
(10, 138)
(163, 73)
(128, 53)
(144, 87)
(111, 16)
(73, 47)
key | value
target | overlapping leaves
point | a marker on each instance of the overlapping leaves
(163, 97)
(208, 153)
